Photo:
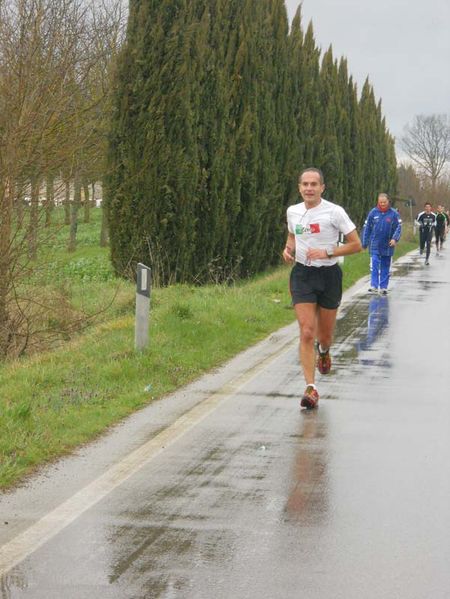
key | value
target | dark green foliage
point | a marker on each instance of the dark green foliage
(218, 106)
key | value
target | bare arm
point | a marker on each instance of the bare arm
(352, 246)
(289, 250)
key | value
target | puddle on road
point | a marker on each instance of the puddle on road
(360, 331)
(308, 500)
(359, 335)
(12, 582)
(186, 522)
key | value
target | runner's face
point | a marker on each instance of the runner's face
(383, 202)
(311, 188)
(428, 209)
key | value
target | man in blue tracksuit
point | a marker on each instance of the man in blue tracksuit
(381, 232)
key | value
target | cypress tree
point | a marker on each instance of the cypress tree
(245, 107)
(153, 162)
(212, 123)
(331, 160)
(387, 158)
(280, 146)
(349, 142)
(258, 113)
(217, 108)
(354, 157)
(368, 127)
(344, 135)
(261, 223)
(305, 93)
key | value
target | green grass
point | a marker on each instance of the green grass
(52, 402)
(84, 278)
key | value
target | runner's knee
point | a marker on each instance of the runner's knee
(307, 333)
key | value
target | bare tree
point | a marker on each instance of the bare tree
(107, 23)
(427, 144)
(49, 59)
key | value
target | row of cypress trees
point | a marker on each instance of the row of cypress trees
(218, 106)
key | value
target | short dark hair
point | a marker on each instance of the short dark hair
(427, 204)
(312, 169)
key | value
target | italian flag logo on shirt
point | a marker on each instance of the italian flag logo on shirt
(312, 228)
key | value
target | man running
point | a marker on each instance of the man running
(441, 228)
(316, 278)
(427, 222)
(381, 233)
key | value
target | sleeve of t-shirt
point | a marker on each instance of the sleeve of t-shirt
(342, 221)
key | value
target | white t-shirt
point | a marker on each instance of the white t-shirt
(317, 227)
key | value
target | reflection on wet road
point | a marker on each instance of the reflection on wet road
(262, 500)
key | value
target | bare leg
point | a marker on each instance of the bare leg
(326, 321)
(307, 320)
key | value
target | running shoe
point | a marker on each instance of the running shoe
(323, 361)
(383, 291)
(427, 263)
(372, 290)
(310, 398)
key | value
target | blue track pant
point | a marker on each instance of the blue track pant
(379, 271)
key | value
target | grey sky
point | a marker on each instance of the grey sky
(402, 45)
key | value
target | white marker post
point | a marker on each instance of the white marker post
(143, 288)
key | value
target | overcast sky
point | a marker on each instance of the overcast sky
(402, 45)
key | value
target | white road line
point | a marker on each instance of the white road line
(16, 550)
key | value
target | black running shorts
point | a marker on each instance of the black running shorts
(316, 285)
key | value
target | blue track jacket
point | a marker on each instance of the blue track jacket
(379, 229)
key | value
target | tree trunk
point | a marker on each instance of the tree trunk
(76, 203)
(67, 201)
(104, 231)
(18, 199)
(86, 202)
(49, 199)
(5, 251)
(33, 223)
(93, 203)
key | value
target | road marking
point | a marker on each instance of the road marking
(16, 550)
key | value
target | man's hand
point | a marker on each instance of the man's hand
(392, 243)
(288, 254)
(316, 254)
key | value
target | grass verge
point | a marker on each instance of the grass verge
(53, 402)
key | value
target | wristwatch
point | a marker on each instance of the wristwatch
(330, 252)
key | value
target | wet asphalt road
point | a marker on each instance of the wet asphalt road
(257, 499)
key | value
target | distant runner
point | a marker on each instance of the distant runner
(427, 222)
(442, 221)
(316, 278)
(381, 232)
